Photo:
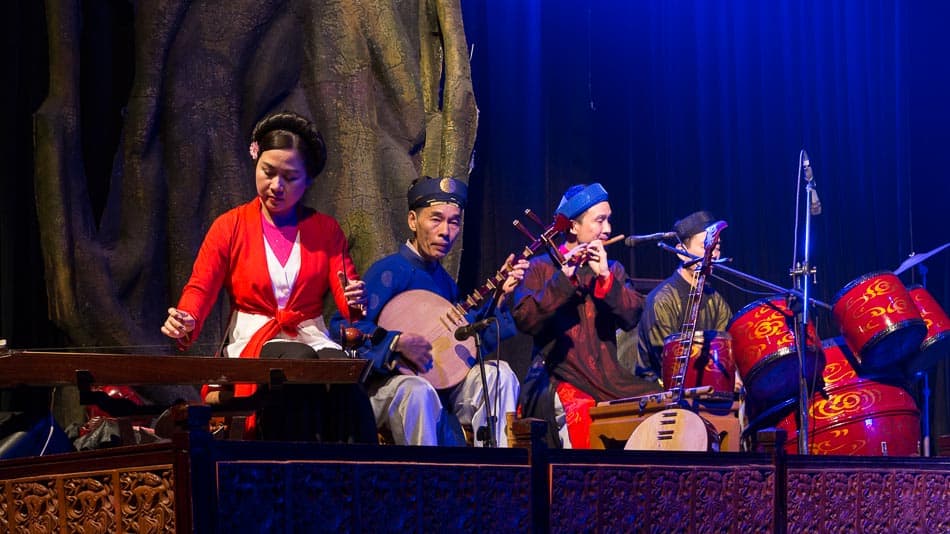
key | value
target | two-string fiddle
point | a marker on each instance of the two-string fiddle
(350, 336)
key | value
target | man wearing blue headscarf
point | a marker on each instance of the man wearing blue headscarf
(573, 312)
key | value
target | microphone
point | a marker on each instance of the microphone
(635, 239)
(814, 201)
(469, 330)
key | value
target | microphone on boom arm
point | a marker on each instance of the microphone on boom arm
(637, 239)
(469, 330)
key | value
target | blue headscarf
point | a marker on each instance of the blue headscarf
(580, 198)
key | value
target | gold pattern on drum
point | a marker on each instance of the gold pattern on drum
(894, 303)
(845, 402)
(926, 305)
(772, 326)
(838, 371)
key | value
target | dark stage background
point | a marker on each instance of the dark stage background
(684, 105)
(673, 106)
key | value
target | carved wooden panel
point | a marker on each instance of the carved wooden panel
(662, 498)
(35, 505)
(846, 499)
(135, 500)
(88, 504)
(372, 497)
(147, 501)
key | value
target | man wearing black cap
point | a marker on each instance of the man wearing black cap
(405, 404)
(664, 311)
(573, 312)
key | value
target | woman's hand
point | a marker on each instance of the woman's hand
(179, 324)
(354, 291)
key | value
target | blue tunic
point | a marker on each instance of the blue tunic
(404, 271)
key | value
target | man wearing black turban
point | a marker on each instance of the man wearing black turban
(405, 404)
(664, 311)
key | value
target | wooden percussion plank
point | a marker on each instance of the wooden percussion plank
(27, 368)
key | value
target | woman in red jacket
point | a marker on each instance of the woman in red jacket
(277, 259)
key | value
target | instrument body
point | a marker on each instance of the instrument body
(710, 361)
(766, 354)
(677, 428)
(674, 429)
(612, 422)
(436, 319)
(429, 315)
(879, 320)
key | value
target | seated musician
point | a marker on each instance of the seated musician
(407, 405)
(573, 311)
(278, 258)
(663, 314)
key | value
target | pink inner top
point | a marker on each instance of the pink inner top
(280, 238)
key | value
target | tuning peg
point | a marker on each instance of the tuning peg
(517, 224)
(531, 215)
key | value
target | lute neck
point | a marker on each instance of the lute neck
(687, 333)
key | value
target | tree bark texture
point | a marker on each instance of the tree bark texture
(387, 83)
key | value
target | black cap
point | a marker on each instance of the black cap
(693, 224)
(427, 191)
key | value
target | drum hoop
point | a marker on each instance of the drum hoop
(931, 341)
(769, 358)
(877, 337)
(858, 281)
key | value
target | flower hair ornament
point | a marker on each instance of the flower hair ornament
(254, 150)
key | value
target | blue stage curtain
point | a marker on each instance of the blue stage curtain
(682, 105)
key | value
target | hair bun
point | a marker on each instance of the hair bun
(299, 125)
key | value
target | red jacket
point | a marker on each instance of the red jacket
(233, 256)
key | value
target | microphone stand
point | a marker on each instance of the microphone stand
(491, 417)
(801, 272)
(492, 441)
(924, 387)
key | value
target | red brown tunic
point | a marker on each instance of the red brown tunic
(573, 322)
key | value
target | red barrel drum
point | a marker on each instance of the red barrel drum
(937, 343)
(855, 416)
(763, 343)
(879, 320)
(710, 362)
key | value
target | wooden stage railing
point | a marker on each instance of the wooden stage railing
(195, 483)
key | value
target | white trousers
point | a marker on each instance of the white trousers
(410, 407)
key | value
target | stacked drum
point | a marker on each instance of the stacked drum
(879, 320)
(863, 415)
(889, 333)
(766, 353)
